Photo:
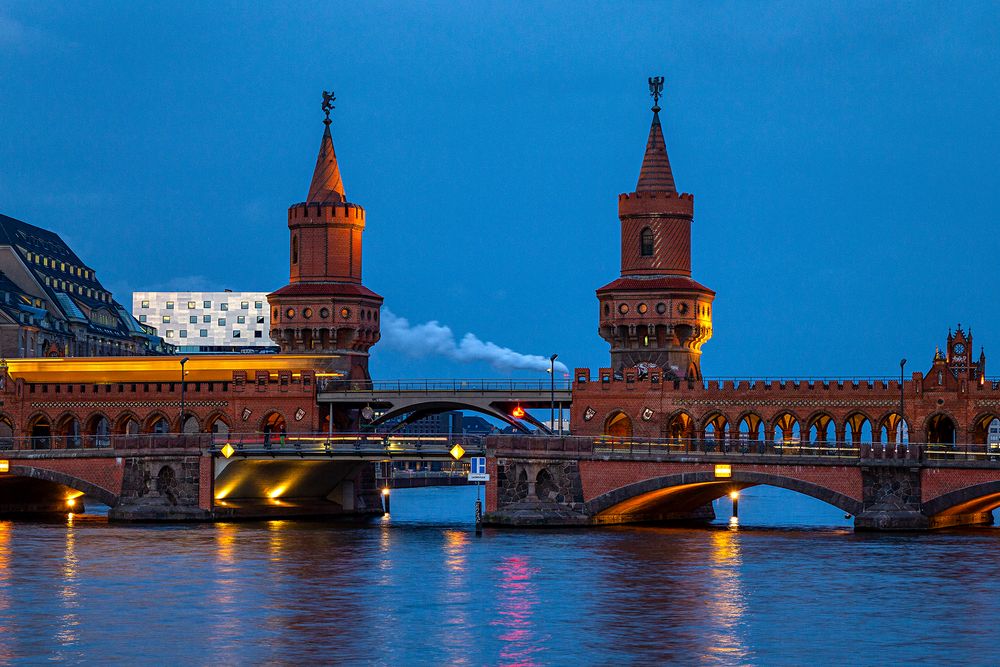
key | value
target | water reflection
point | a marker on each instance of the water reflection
(69, 621)
(515, 613)
(291, 592)
(725, 603)
(457, 625)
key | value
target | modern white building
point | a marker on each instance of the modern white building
(208, 321)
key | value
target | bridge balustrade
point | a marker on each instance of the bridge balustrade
(143, 441)
(438, 386)
(368, 444)
(740, 447)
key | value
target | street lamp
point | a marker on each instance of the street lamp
(183, 385)
(552, 392)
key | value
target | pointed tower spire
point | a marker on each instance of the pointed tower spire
(327, 187)
(655, 175)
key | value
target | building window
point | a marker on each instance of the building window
(184, 333)
(290, 313)
(193, 319)
(207, 319)
(191, 304)
(236, 333)
(170, 305)
(223, 306)
(244, 305)
(295, 250)
(258, 304)
(646, 242)
(258, 334)
(207, 304)
(241, 319)
(145, 304)
(142, 318)
(170, 333)
(260, 319)
(203, 333)
(166, 319)
(222, 321)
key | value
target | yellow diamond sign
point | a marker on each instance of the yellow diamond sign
(457, 452)
(227, 450)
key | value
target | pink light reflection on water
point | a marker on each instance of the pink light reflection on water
(516, 602)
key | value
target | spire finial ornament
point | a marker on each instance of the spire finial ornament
(656, 89)
(328, 99)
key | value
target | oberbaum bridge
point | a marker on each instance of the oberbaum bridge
(220, 437)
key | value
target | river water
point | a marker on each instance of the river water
(791, 584)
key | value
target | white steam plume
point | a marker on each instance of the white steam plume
(433, 338)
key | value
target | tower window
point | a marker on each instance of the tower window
(295, 250)
(646, 242)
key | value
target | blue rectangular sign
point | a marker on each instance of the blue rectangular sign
(478, 465)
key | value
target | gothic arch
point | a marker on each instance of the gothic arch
(618, 424)
(152, 420)
(217, 416)
(97, 430)
(941, 427)
(825, 426)
(981, 426)
(680, 425)
(122, 421)
(271, 418)
(788, 422)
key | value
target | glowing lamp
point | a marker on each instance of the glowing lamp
(4, 466)
(518, 412)
(71, 502)
(734, 495)
(457, 452)
(723, 471)
(385, 492)
(227, 450)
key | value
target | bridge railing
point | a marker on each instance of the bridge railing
(431, 386)
(746, 447)
(369, 444)
(113, 442)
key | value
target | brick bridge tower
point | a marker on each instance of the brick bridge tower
(325, 309)
(655, 314)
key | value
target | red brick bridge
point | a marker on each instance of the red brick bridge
(587, 480)
(204, 477)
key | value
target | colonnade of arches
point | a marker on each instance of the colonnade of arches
(69, 431)
(819, 428)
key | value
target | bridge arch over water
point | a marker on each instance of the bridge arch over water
(23, 482)
(677, 495)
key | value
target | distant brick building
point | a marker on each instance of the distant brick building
(325, 309)
(53, 305)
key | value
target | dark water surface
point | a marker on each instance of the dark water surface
(791, 585)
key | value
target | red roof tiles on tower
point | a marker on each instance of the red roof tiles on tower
(327, 187)
(655, 175)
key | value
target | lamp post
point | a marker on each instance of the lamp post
(183, 385)
(552, 392)
(902, 413)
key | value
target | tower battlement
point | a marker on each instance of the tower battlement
(304, 212)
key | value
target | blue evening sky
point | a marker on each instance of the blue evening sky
(844, 159)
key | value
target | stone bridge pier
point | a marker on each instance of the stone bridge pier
(538, 481)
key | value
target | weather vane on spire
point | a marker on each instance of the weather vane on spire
(656, 89)
(328, 100)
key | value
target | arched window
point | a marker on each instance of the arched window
(295, 249)
(646, 242)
